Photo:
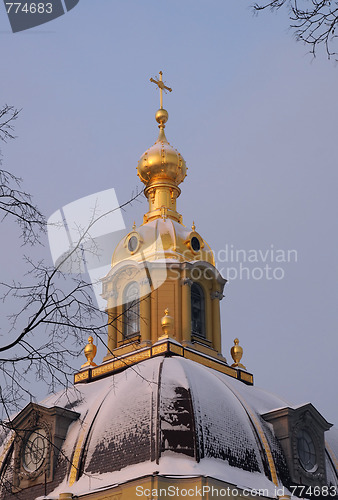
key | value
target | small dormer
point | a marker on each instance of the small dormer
(39, 434)
(300, 431)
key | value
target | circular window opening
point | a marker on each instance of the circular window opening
(132, 244)
(306, 451)
(35, 450)
(195, 244)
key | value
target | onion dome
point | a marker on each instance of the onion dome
(161, 162)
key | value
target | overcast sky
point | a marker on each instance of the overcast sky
(255, 119)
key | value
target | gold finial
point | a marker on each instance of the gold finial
(134, 226)
(161, 86)
(161, 115)
(90, 353)
(193, 227)
(167, 323)
(161, 168)
(236, 354)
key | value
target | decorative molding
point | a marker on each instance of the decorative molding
(167, 347)
(216, 295)
(145, 282)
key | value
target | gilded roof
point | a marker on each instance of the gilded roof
(161, 239)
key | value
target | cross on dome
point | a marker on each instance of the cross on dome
(159, 82)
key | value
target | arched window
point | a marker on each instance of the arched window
(131, 310)
(197, 310)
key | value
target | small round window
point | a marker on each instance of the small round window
(132, 243)
(35, 450)
(306, 451)
(195, 244)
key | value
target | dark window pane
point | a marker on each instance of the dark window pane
(132, 244)
(195, 244)
(131, 310)
(197, 310)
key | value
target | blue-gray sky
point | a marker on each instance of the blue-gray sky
(255, 119)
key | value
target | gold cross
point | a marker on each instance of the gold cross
(161, 86)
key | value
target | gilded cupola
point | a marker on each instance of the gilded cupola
(162, 168)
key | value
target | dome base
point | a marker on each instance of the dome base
(125, 357)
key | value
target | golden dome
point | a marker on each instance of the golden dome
(161, 162)
(163, 239)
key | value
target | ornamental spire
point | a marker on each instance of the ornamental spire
(161, 168)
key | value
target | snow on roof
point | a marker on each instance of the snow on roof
(126, 417)
(179, 466)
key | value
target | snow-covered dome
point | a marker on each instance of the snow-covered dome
(167, 416)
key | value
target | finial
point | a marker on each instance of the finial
(159, 82)
(161, 115)
(90, 353)
(167, 323)
(134, 226)
(193, 227)
(236, 354)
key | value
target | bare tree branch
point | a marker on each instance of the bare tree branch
(8, 114)
(14, 202)
(314, 22)
(52, 310)
(55, 307)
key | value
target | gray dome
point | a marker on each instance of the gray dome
(198, 414)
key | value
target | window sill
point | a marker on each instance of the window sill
(130, 340)
(202, 340)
